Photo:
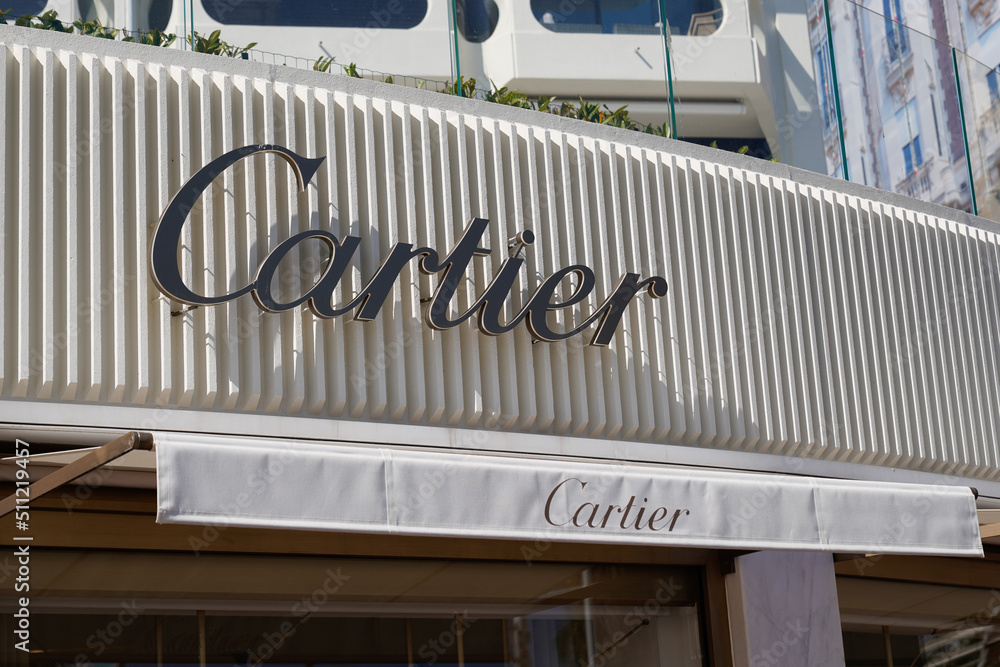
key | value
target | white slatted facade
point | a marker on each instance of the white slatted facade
(799, 320)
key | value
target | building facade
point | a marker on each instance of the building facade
(428, 380)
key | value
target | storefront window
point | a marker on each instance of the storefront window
(393, 14)
(685, 17)
(132, 608)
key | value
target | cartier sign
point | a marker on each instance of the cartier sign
(319, 298)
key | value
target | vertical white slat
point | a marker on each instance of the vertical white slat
(205, 275)
(847, 431)
(161, 336)
(979, 273)
(225, 269)
(427, 224)
(971, 352)
(92, 251)
(525, 369)
(667, 212)
(408, 291)
(727, 364)
(250, 236)
(929, 355)
(914, 348)
(635, 391)
(716, 392)
(794, 308)
(770, 300)
(22, 371)
(353, 278)
(990, 262)
(898, 307)
(592, 358)
(502, 350)
(680, 302)
(113, 279)
(185, 380)
(372, 224)
(954, 339)
(827, 425)
(314, 352)
(786, 315)
(700, 361)
(549, 355)
(941, 291)
(391, 359)
(71, 154)
(43, 339)
(651, 364)
(570, 350)
(857, 336)
(291, 337)
(602, 163)
(138, 347)
(273, 387)
(483, 352)
(445, 233)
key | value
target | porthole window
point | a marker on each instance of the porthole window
(476, 19)
(628, 17)
(158, 14)
(20, 7)
(375, 14)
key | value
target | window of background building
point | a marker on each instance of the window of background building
(895, 33)
(993, 81)
(476, 19)
(20, 7)
(824, 76)
(685, 17)
(392, 14)
(912, 155)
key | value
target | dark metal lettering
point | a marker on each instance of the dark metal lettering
(489, 307)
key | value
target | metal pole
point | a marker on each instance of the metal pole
(202, 644)
(965, 133)
(888, 646)
(836, 89)
(665, 32)
(458, 66)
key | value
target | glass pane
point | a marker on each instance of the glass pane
(981, 102)
(899, 100)
(393, 14)
(126, 607)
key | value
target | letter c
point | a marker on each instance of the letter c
(163, 266)
(548, 503)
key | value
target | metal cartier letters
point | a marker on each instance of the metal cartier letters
(165, 270)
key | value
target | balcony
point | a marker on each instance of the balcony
(899, 68)
(917, 183)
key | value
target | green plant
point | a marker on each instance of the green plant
(153, 38)
(323, 64)
(511, 98)
(3, 15)
(463, 88)
(94, 29)
(352, 71)
(213, 44)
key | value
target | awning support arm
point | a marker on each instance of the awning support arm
(83, 465)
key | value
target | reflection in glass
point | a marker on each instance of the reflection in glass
(357, 611)
(685, 17)
(20, 7)
(393, 14)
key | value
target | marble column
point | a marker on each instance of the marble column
(783, 610)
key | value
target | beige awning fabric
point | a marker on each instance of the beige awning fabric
(315, 486)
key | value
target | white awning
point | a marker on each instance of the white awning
(313, 486)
